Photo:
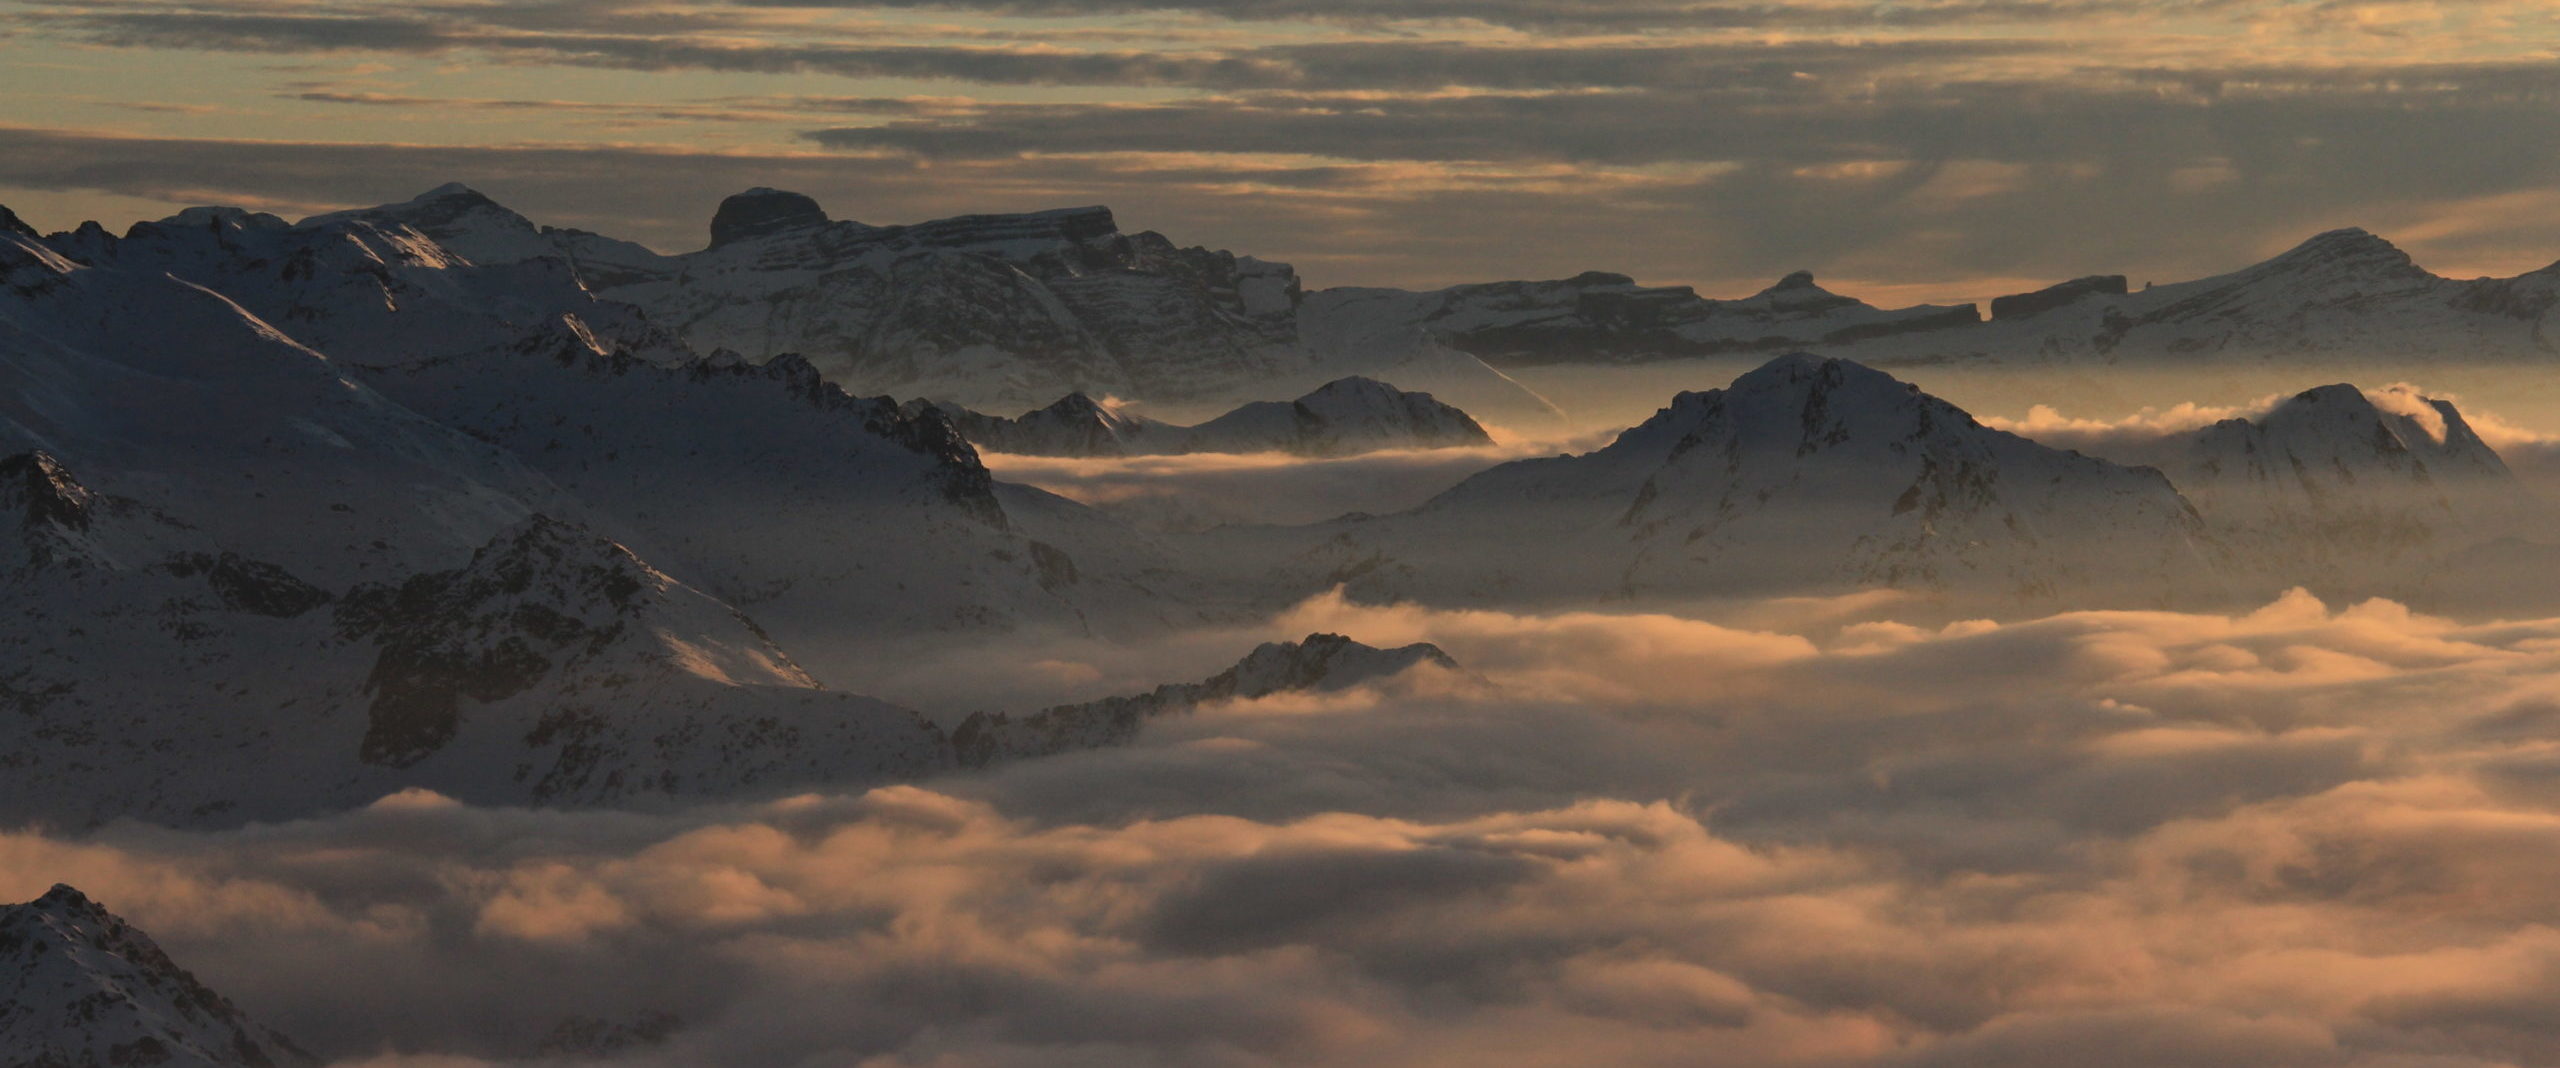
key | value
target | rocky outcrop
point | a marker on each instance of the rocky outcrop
(1320, 663)
(761, 211)
(2028, 305)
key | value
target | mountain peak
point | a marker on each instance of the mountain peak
(10, 223)
(67, 900)
(1801, 367)
(225, 216)
(1352, 385)
(2354, 246)
(763, 210)
(2338, 393)
(36, 486)
(1798, 293)
(1076, 405)
(449, 189)
(82, 986)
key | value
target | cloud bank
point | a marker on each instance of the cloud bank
(2301, 835)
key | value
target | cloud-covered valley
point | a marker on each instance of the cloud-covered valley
(2304, 834)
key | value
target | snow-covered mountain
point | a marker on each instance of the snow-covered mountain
(481, 394)
(409, 570)
(160, 675)
(993, 312)
(2331, 485)
(1806, 475)
(837, 520)
(1598, 317)
(81, 988)
(2345, 296)
(1319, 663)
(366, 289)
(1340, 418)
(1073, 425)
(162, 390)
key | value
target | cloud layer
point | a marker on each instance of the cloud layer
(2306, 834)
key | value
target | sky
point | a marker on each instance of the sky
(1904, 151)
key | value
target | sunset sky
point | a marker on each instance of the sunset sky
(1905, 151)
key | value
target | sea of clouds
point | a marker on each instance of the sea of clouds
(2306, 834)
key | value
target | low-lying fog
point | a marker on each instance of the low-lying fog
(2303, 835)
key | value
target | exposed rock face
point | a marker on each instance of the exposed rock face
(994, 312)
(81, 988)
(2028, 305)
(761, 211)
(1322, 662)
(34, 487)
(590, 1037)
(487, 632)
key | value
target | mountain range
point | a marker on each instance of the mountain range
(984, 311)
(1339, 418)
(1806, 475)
(428, 496)
(2346, 297)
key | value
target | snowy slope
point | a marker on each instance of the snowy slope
(1607, 318)
(81, 988)
(1340, 418)
(366, 289)
(992, 312)
(2342, 296)
(159, 675)
(1807, 475)
(833, 518)
(2346, 296)
(2330, 485)
(158, 389)
(1320, 663)
(1074, 425)
(1345, 416)
(1003, 312)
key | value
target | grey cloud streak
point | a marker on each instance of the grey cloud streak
(1421, 64)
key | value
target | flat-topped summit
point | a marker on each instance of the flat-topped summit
(763, 210)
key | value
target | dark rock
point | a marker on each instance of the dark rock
(2023, 305)
(762, 211)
